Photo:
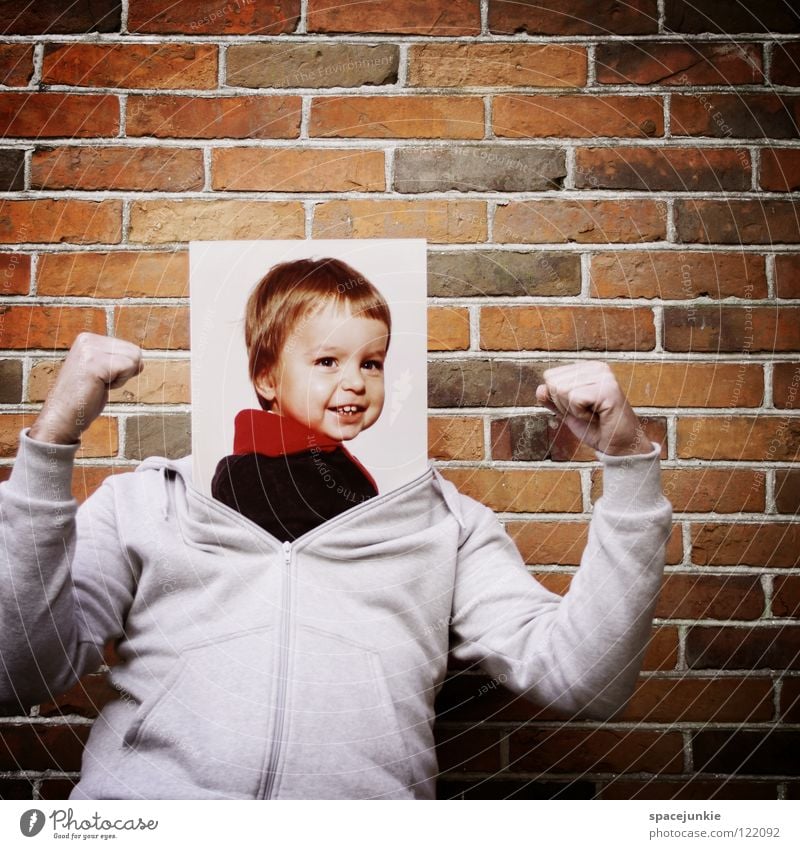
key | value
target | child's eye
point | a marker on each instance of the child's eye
(327, 362)
(373, 365)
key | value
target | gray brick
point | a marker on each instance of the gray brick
(10, 381)
(478, 168)
(483, 383)
(12, 170)
(163, 436)
(476, 273)
(312, 65)
(521, 438)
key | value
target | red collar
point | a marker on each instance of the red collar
(260, 432)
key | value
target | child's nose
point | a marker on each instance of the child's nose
(352, 378)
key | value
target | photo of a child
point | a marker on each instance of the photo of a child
(308, 359)
(317, 335)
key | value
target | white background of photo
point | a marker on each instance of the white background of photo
(222, 275)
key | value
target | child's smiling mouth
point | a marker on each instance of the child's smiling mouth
(347, 410)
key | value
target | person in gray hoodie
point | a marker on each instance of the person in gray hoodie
(252, 667)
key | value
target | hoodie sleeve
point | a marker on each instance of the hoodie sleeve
(64, 580)
(581, 653)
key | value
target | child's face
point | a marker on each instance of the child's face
(330, 373)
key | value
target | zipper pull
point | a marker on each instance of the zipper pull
(287, 552)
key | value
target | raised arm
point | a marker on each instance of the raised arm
(59, 598)
(581, 653)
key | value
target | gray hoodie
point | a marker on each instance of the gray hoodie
(255, 669)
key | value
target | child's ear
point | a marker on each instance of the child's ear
(265, 386)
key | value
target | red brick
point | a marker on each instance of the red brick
(100, 439)
(757, 647)
(787, 490)
(457, 751)
(186, 220)
(718, 328)
(691, 788)
(416, 17)
(40, 747)
(241, 117)
(786, 385)
(306, 170)
(757, 752)
(153, 327)
(136, 168)
(724, 16)
(678, 275)
(714, 490)
(439, 221)
(701, 700)
(581, 221)
(517, 491)
(87, 479)
(565, 446)
(566, 328)
(573, 17)
(15, 274)
(209, 17)
(735, 115)
(691, 384)
(54, 114)
(455, 438)
(603, 750)
(544, 543)
(86, 698)
(677, 63)
(786, 596)
(737, 222)
(787, 275)
(577, 116)
(786, 64)
(47, 327)
(448, 329)
(116, 274)
(710, 597)
(739, 438)
(662, 650)
(80, 221)
(769, 544)
(56, 788)
(480, 64)
(677, 169)
(790, 700)
(16, 64)
(780, 169)
(385, 117)
(707, 490)
(131, 65)
(57, 17)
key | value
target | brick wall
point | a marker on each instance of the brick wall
(596, 179)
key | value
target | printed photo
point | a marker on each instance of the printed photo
(311, 354)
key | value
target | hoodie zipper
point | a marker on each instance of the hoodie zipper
(283, 670)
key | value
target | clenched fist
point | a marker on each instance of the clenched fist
(93, 365)
(588, 399)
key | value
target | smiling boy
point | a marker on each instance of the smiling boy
(317, 335)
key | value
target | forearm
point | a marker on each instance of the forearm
(580, 653)
(41, 643)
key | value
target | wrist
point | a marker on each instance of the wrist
(639, 445)
(53, 432)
